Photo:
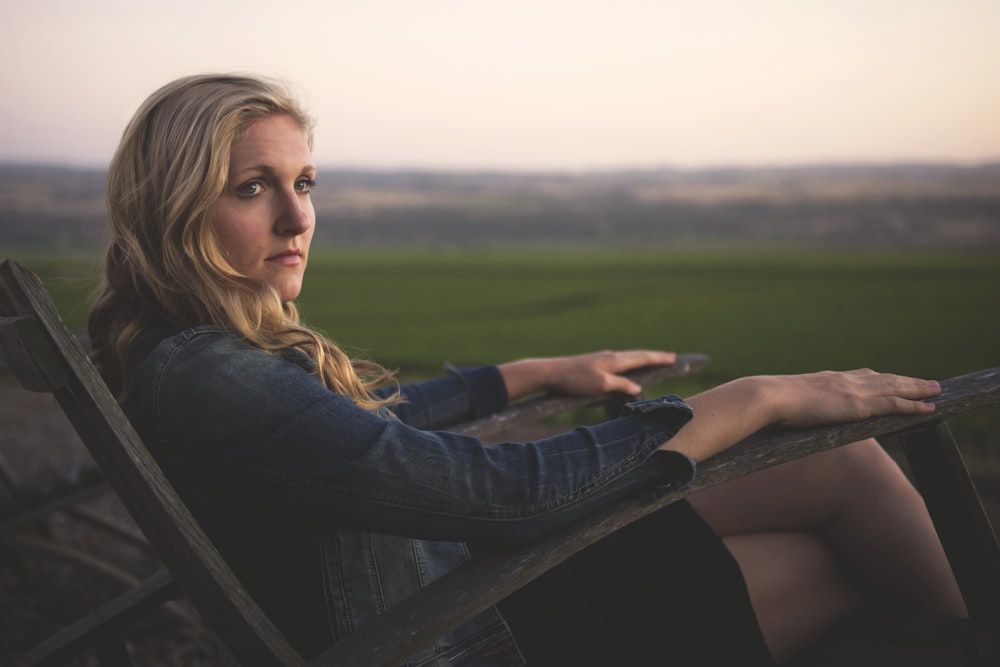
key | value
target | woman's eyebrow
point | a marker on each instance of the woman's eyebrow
(265, 168)
(270, 170)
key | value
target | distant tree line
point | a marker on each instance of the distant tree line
(910, 223)
(906, 206)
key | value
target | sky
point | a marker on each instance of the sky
(529, 84)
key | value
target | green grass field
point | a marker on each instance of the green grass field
(933, 315)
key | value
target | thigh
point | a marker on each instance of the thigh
(802, 495)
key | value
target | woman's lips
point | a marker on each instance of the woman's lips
(290, 258)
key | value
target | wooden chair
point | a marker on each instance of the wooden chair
(45, 357)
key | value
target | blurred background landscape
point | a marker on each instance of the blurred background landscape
(783, 186)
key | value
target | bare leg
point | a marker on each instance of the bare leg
(797, 587)
(862, 506)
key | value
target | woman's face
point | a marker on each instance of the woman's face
(265, 219)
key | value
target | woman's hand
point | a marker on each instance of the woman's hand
(728, 413)
(580, 375)
(829, 397)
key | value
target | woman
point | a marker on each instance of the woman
(335, 495)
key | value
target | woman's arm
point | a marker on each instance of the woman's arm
(726, 414)
(475, 392)
(261, 430)
(462, 395)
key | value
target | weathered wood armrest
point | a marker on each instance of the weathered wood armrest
(492, 576)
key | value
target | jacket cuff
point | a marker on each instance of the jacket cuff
(485, 386)
(649, 406)
(672, 471)
(669, 470)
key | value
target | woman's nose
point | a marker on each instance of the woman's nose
(295, 216)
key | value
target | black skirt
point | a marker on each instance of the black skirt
(662, 591)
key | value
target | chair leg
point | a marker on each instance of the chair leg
(942, 478)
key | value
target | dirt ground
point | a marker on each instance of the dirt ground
(46, 583)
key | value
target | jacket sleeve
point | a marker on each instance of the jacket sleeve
(464, 394)
(266, 432)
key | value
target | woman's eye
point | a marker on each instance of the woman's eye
(305, 184)
(249, 189)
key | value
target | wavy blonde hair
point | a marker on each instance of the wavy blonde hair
(164, 269)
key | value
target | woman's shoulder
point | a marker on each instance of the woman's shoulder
(201, 343)
(204, 353)
(205, 337)
(209, 370)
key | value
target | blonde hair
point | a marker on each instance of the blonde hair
(164, 270)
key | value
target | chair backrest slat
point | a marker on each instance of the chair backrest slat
(132, 471)
(32, 363)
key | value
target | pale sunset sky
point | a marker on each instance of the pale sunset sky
(530, 84)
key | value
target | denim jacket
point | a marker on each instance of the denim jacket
(332, 514)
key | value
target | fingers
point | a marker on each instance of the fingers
(915, 388)
(889, 384)
(888, 393)
(621, 384)
(894, 405)
(906, 406)
(626, 360)
(905, 394)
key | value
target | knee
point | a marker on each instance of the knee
(866, 465)
(862, 457)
